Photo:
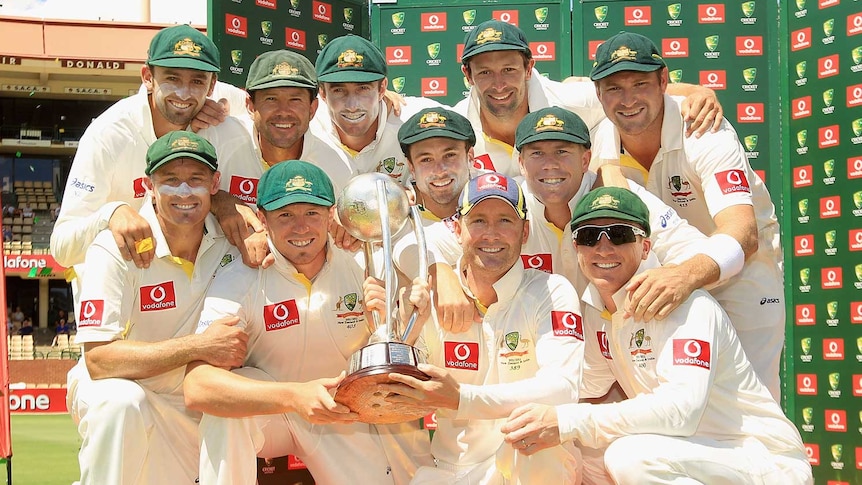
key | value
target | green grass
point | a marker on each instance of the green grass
(44, 450)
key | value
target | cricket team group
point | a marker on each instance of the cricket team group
(605, 300)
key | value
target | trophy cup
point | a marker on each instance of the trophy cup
(372, 207)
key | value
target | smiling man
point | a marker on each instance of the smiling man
(352, 75)
(697, 412)
(136, 327)
(709, 181)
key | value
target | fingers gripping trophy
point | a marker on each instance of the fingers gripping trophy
(365, 205)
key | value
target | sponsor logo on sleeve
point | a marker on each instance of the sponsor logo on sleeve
(244, 188)
(567, 324)
(138, 187)
(461, 355)
(602, 337)
(91, 313)
(483, 162)
(732, 181)
(692, 352)
(158, 297)
(280, 315)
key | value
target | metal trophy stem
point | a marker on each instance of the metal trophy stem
(371, 208)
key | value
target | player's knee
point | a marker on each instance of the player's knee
(117, 399)
(631, 458)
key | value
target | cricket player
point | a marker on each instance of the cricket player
(304, 317)
(528, 347)
(709, 181)
(697, 411)
(136, 326)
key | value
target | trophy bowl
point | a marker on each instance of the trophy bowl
(369, 367)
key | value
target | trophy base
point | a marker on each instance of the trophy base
(370, 367)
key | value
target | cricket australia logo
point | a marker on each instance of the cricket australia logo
(514, 351)
(348, 311)
(680, 190)
(640, 347)
(391, 166)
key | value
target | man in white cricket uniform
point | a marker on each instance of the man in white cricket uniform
(305, 317)
(282, 99)
(505, 86)
(136, 327)
(352, 76)
(698, 411)
(708, 180)
(528, 347)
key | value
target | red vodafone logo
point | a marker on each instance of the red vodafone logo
(459, 52)
(541, 262)
(835, 420)
(273, 4)
(827, 136)
(635, 16)
(854, 237)
(691, 352)
(714, 79)
(833, 349)
(813, 452)
(854, 95)
(800, 39)
(732, 181)
(803, 245)
(854, 167)
(856, 311)
(294, 463)
(602, 338)
(400, 55)
(544, 51)
(827, 66)
(434, 86)
(433, 22)
(244, 188)
(806, 384)
(751, 45)
(711, 13)
(592, 47)
(236, 25)
(158, 297)
(674, 47)
(280, 315)
(750, 112)
(831, 278)
(567, 324)
(138, 187)
(321, 11)
(461, 355)
(830, 207)
(801, 107)
(508, 16)
(854, 24)
(805, 314)
(857, 391)
(294, 38)
(91, 313)
(483, 162)
(802, 176)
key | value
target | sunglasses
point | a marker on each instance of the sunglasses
(617, 234)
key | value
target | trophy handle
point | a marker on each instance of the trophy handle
(422, 247)
(388, 268)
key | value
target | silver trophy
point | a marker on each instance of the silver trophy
(365, 205)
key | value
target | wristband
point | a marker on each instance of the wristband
(727, 254)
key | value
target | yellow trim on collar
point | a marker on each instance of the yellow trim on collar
(509, 148)
(187, 266)
(630, 162)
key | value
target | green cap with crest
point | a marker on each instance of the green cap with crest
(180, 144)
(350, 59)
(294, 181)
(281, 69)
(184, 47)
(626, 51)
(612, 203)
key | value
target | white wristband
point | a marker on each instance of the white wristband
(727, 254)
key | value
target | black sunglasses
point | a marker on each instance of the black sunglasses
(617, 234)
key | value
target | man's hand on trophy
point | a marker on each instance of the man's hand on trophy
(313, 401)
(442, 391)
(456, 312)
(418, 300)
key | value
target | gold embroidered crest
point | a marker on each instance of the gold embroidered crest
(605, 201)
(285, 69)
(489, 35)
(187, 47)
(298, 183)
(350, 58)
(623, 53)
(549, 122)
(432, 119)
(184, 143)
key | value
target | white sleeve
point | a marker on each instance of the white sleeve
(559, 354)
(674, 239)
(86, 209)
(675, 406)
(579, 98)
(724, 171)
(108, 289)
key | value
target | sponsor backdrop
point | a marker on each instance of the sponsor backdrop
(244, 29)
(423, 41)
(822, 44)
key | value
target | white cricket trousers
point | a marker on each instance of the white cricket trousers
(658, 459)
(131, 435)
